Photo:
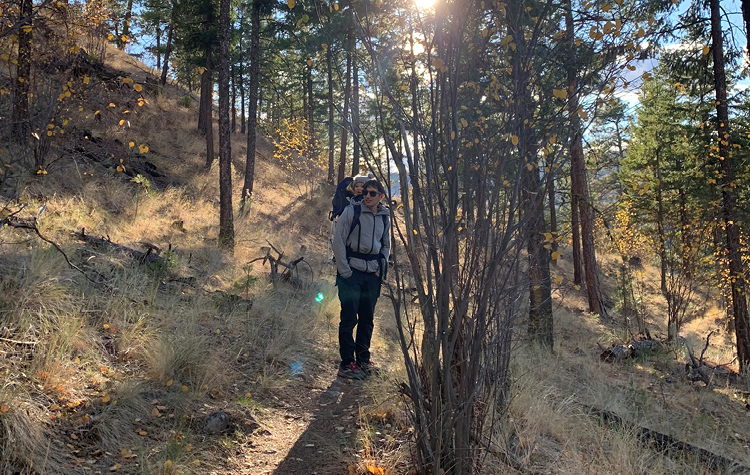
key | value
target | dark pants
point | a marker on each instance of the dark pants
(358, 295)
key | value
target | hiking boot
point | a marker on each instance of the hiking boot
(351, 371)
(369, 368)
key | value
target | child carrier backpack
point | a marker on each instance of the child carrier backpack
(340, 198)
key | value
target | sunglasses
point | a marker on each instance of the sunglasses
(371, 193)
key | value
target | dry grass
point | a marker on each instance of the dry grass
(93, 359)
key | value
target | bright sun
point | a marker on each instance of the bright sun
(424, 3)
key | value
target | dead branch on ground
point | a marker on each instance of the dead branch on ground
(290, 272)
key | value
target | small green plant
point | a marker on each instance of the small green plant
(145, 186)
(243, 285)
(186, 101)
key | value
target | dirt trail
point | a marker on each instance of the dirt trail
(312, 428)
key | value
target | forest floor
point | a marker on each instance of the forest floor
(127, 374)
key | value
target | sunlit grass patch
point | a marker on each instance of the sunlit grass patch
(25, 441)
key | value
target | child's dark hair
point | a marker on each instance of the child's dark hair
(374, 184)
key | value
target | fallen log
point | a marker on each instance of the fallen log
(633, 349)
(668, 444)
(151, 254)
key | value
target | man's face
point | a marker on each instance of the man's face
(370, 200)
(358, 188)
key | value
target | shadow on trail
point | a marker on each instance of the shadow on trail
(327, 445)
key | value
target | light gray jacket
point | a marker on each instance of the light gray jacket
(368, 237)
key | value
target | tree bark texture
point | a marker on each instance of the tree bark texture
(578, 183)
(21, 128)
(729, 196)
(252, 108)
(226, 222)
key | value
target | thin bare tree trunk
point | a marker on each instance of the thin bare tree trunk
(233, 108)
(311, 112)
(242, 93)
(355, 115)
(207, 106)
(125, 26)
(729, 196)
(540, 327)
(331, 166)
(158, 45)
(226, 221)
(252, 109)
(552, 206)
(168, 49)
(660, 225)
(345, 114)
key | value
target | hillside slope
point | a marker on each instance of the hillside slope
(118, 365)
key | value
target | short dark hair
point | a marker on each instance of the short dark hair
(374, 184)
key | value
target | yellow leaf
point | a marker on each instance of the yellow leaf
(556, 255)
(485, 32)
(170, 382)
(558, 279)
(115, 467)
(131, 144)
(112, 104)
(184, 389)
(168, 464)
(290, 3)
(404, 87)
(110, 36)
(106, 398)
(126, 453)
(138, 88)
(577, 287)
(188, 447)
(548, 237)
(155, 412)
(309, 62)
(336, 6)
(529, 166)
(142, 432)
(196, 462)
(143, 148)
(121, 168)
(122, 121)
(106, 325)
(127, 81)
(86, 79)
(706, 50)
(560, 93)
(513, 139)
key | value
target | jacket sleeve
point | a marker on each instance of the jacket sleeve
(340, 234)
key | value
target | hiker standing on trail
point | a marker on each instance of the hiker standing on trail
(361, 244)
